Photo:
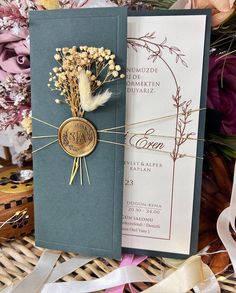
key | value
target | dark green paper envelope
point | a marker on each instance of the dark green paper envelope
(87, 218)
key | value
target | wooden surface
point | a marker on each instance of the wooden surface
(16, 204)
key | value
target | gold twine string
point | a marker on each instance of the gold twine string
(108, 130)
(148, 135)
(77, 163)
(43, 147)
(123, 133)
(9, 221)
(75, 167)
(44, 136)
(86, 169)
(81, 172)
(127, 125)
(44, 122)
(165, 152)
(150, 120)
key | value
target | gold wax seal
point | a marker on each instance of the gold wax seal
(77, 137)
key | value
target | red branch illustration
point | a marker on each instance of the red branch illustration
(183, 110)
(156, 49)
(183, 119)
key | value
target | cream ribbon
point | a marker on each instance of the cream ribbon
(35, 281)
(190, 274)
(210, 283)
(124, 275)
(45, 272)
(227, 219)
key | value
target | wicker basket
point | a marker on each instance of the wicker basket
(18, 258)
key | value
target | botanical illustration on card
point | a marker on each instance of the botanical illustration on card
(158, 52)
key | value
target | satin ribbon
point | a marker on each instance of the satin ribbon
(227, 219)
(68, 267)
(34, 282)
(210, 283)
(190, 274)
(127, 260)
(45, 273)
(183, 279)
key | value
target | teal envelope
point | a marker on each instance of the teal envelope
(87, 218)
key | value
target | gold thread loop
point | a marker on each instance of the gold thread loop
(44, 136)
(75, 167)
(146, 134)
(43, 147)
(165, 152)
(86, 169)
(44, 122)
(150, 120)
(81, 172)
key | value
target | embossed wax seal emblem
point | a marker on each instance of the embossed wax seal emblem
(77, 137)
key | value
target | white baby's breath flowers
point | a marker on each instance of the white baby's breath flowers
(88, 72)
(112, 67)
(115, 73)
(57, 57)
(108, 52)
(118, 68)
(98, 64)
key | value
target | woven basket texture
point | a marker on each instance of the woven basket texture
(19, 257)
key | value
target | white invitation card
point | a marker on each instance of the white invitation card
(165, 114)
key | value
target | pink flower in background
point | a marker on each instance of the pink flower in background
(221, 9)
(14, 53)
(222, 90)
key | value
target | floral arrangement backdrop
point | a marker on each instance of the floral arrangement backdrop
(220, 146)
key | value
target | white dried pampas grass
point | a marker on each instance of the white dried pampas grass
(87, 101)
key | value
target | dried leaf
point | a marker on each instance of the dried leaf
(175, 49)
(151, 57)
(163, 42)
(182, 103)
(155, 58)
(184, 63)
(133, 47)
(187, 122)
(188, 103)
